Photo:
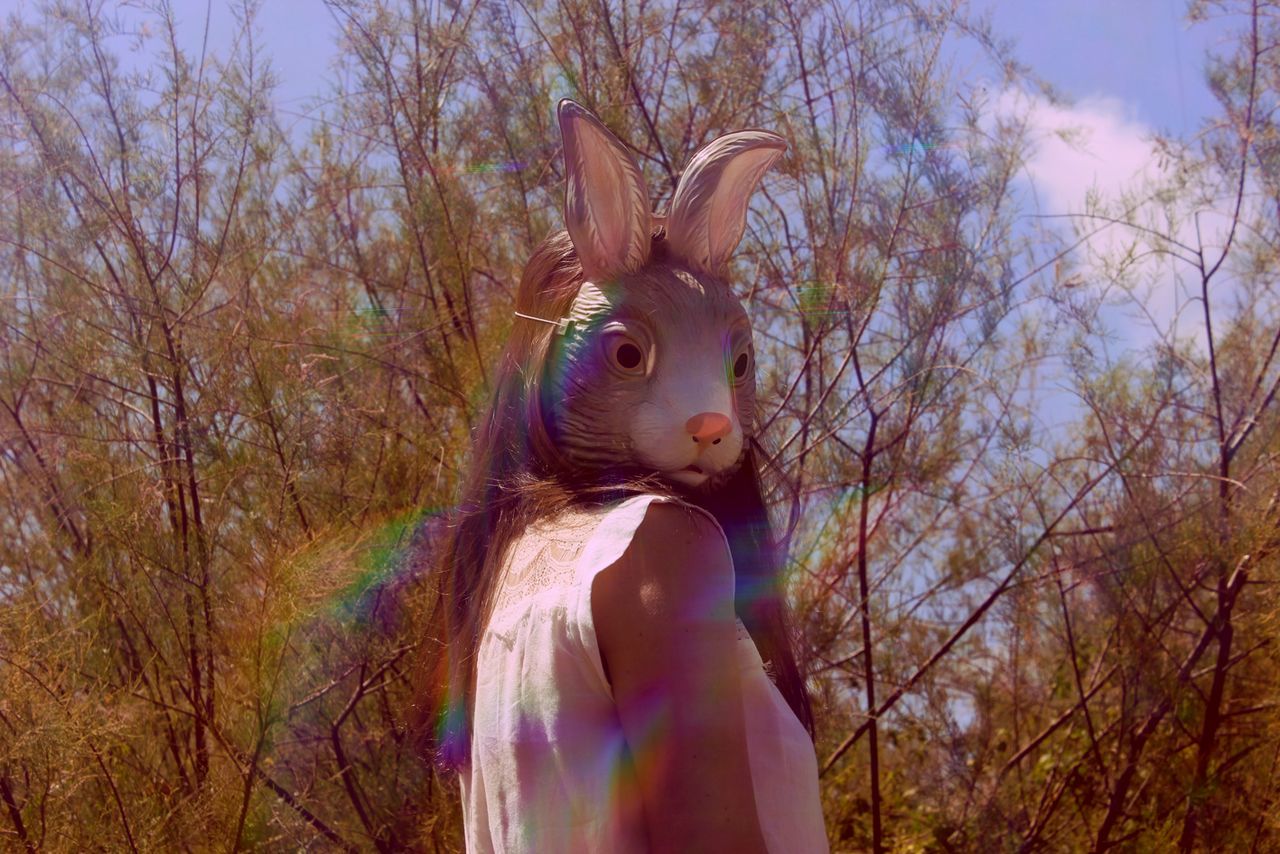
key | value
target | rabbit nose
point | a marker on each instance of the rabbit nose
(708, 427)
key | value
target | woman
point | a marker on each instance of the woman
(610, 594)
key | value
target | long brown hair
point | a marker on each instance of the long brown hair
(517, 475)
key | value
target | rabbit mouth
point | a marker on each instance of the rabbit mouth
(704, 477)
(710, 476)
(691, 476)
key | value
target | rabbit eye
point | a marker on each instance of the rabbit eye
(625, 354)
(739, 342)
(628, 355)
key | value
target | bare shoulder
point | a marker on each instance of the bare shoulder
(669, 527)
(677, 555)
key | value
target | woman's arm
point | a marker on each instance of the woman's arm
(664, 621)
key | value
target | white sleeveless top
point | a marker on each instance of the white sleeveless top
(549, 769)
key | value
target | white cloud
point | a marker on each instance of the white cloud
(1090, 143)
(1097, 145)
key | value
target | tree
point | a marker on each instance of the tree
(239, 366)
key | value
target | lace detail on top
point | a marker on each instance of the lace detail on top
(543, 558)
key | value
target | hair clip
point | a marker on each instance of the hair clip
(562, 325)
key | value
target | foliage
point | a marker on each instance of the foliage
(240, 363)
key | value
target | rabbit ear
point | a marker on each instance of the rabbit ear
(606, 207)
(709, 209)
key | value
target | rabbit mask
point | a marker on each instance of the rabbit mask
(654, 366)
